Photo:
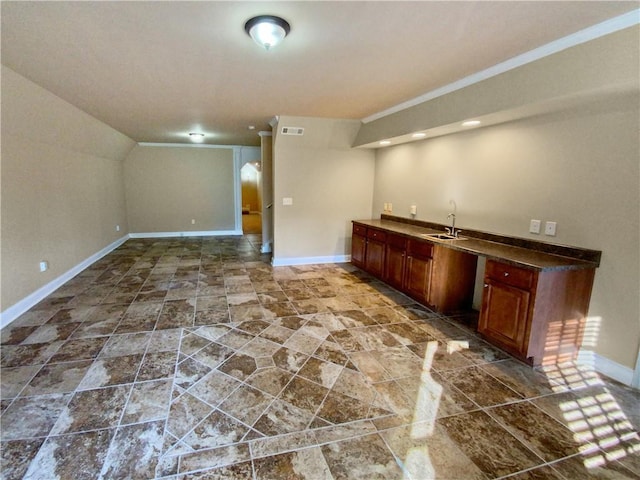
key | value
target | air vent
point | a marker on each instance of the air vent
(292, 131)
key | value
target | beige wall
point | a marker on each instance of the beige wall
(330, 184)
(579, 168)
(167, 187)
(62, 186)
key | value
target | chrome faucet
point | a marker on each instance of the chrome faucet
(452, 230)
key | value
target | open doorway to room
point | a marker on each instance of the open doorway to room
(250, 178)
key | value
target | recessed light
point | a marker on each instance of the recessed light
(419, 135)
(385, 142)
(470, 123)
(251, 127)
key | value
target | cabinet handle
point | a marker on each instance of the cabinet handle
(506, 274)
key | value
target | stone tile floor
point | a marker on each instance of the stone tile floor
(193, 358)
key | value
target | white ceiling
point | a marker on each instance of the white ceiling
(158, 70)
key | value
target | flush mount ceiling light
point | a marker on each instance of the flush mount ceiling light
(384, 143)
(267, 30)
(196, 137)
(471, 123)
(419, 135)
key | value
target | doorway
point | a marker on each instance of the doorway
(250, 180)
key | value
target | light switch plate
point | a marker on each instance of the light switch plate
(550, 229)
(534, 226)
(287, 201)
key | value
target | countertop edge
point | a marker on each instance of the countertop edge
(484, 248)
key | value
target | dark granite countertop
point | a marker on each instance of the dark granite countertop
(516, 251)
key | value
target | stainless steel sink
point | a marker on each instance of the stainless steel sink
(441, 236)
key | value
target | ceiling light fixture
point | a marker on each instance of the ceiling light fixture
(384, 143)
(267, 30)
(196, 137)
(419, 135)
(470, 123)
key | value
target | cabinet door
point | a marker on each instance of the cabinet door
(418, 277)
(394, 266)
(358, 249)
(374, 257)
(504, 315)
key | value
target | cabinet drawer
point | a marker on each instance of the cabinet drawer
(376, 234)
(396, 241)
(360, 230)
(420, 249)
(510, 275)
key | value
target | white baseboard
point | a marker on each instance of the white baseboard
(206, 233)
(283, 262)
(606, 366)
(265, 248)
(14, 311)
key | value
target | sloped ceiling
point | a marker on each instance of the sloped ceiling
(158, 70)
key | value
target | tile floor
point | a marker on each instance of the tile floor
(195, 359)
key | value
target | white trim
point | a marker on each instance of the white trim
(635, 383)
(590, 33)
(206, 233)
(237, 188)
(606, 366)
(266, 248)
(14, 311)
(283, 262)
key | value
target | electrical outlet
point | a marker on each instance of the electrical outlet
(550, 229)
(44, 266)
(117, 228)
(287, 201)
(413, 209)
(534, 226)
(193, 221)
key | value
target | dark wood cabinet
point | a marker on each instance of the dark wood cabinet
(395, 260)
(452, 279)
(416, 267)
(505, 306)
(537, 316)
(358, 245)
(418, 271)
(375, 252)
